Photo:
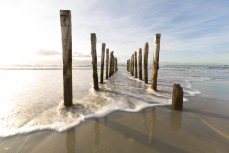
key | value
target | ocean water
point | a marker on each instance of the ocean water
(31, 98)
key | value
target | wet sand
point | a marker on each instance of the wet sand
(202, 126)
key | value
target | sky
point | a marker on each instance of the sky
(192, 31)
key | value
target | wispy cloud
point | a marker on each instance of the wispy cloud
(79, 54)
(124, 25)
(47, 52)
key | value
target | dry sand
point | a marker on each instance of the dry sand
(203, 127)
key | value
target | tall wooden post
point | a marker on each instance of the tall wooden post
(111, 63)
(66, 31)
(127, 65)
(102, 62)
(140, 63)
(112, 71)
(155, 66)
(132, 65)
(116, 64)
(177, 99)
(94, 61)
(135, 65)
(114, 60)
(146, 51)
(107, 62)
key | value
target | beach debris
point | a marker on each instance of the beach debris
(94, 61)
(102, 62)
(66, 31)
(146, 51)
(177, 97)
(155, 66)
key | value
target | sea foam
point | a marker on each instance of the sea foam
(120, 93)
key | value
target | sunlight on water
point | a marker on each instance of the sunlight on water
(32, 100)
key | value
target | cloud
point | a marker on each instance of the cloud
(186, 26)
(47, 52)
(79, 54)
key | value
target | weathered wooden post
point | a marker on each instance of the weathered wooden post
(127, 65)
(140, 63)
(155, 66)
(111, 63)
(94, 61)
(177, 99)
(102, 62)
(112, 71)
(146, 50)
(135, 65)
(112, 66)
(66, 31)
(116, 64)
(132, 65)
(107, 62)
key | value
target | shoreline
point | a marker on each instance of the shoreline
(202, 126)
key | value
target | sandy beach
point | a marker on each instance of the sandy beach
(202, 126)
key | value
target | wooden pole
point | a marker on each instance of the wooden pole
(155, 66)
(135, 65)
(127, 65)
(177, 99)
(66, 31)
(146, 51)
(94, 61)
(140, 63)
(111, 58)
(132, 65)
(107, 62)
(114, 64)
(102, 62)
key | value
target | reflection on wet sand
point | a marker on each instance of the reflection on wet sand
(152, 131)
(97, 132)
(71, 140)
(175, 120)
(144, 116)
(105, 119)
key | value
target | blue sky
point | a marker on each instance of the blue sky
(192, 31)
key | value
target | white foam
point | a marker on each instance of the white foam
(116, 94)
